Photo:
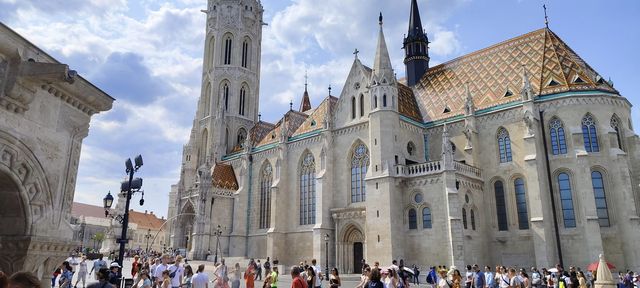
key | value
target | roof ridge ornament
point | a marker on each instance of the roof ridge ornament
(546, 18)
(380, 19)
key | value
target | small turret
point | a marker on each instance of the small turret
(305, 104)
(416, 48)
(382, 69)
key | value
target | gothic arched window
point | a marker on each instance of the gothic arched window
(227, 50)
(308, 190)
(501, 207)
(566, 200)
(242, 135)
(384, 100)
(206, 100)
(558, 143)
(361, 105)
(464, 218)
(245, 53)
(426, 218)
(243, 96)
(504, 145)
(375, 102)
(601, 199)
(590, 134)
(521, 204)
(225, 96)
(615, 124)
(353, 107)
(473, 220)
(265, 196)
(211, 52)
(413, 221)
(359, 164)
(202, 152)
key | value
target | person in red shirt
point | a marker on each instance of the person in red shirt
(298, 282)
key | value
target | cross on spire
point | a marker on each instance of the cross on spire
(329, 89)
(355, 52)
(290, 105)
(305, 80)
(546, 18)
(259, 116)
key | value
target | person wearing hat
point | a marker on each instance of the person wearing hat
(114, 274)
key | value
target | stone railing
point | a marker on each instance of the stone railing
(467, 170)
(413, 170)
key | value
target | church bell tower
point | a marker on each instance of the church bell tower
(228, 105)
(416, 48)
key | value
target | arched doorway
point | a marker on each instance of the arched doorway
(185, 224)
(351, 249)
(13, 211)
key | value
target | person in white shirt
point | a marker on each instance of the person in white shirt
(176, 281)
(161, 268)
(489, 278)
(201, 279)
(503, 279)
(319, 276)
(515, 281)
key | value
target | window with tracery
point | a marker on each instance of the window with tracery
(590, 134)
(242, 136)
(308, 190)
(615, 124)
(504, 145)
(245, 53)
(265, 197)
(359, 164)
(521, 204)
(227, 51)
(558, 142)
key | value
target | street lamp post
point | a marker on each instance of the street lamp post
(218, 232)
(147, 237)
(128, 187)
(326, 256)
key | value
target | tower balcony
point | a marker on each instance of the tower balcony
(436, 167)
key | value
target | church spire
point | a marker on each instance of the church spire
(306, 103)
(382, 69)
(416, 47)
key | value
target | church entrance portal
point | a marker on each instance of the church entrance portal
(13, 211)
(358, 256)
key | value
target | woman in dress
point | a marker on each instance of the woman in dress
(582, 281)
(188, 274)
(334, 278)
(457, 279)
(221, 276)
(235, 273)
(311, 277)
(249, 275)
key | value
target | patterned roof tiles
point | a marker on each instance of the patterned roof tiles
(407, 104)
(223, 177)
(494, 75)
(293, 118)
(316, 118)
(260, 130)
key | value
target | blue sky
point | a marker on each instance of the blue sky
(148, 55)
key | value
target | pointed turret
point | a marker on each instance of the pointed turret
(382, 69)
(527, 89)
(305, 104)
(416, 47)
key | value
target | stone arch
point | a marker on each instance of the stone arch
(226, 51)
(202, 150)
(185, 226)
(351, 246)
(211, 44)
(206, 100)
(246, 52)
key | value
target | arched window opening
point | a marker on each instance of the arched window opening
(265, 197)
(353, 107)
(426, 218)
(590, 134)
(601, 199)
(361, 105)
(473, 220)
(202, 153)
(211, 52)
(413, 222)
(615, 124)
(504, 145)
(308, 190)
(464, 218)
(227, 50)
(245, 53)
(375, 102)
(359, 164)
(243, 95)
(206, 100)
(501, 207)
(225, 96)
(242, 136)
(384, 100)
(558, 143)
(566, 200)
(521, 204)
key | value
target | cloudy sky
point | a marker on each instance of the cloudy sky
(148, 55)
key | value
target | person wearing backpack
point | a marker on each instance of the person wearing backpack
(432, 276)
(536, 278)
(176, 272)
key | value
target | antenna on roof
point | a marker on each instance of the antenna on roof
(546, 18)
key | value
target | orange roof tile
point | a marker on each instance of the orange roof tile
(495, 72)
(407, 104)
(293, 118)
(224, 177)
(316, 118)
(146, 220)
(86, 210)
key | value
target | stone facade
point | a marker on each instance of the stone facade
(449, 171)
(46, 110)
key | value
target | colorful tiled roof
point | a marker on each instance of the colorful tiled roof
(260, 130)
(407, 104)
(223, 177)
(293, 118)
(494, 75)
(315, 120)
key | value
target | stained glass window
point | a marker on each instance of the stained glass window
(359, 164)
(590, 134)
(308, 190)
(558, 143)
(566, 201)
(521, 204)
(504, 145)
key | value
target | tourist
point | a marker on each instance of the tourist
(155, 262)
(221, 275)
(201, 279)
(54, 276)
(73, 262)
(503, 278)
(274, 277)
(456, 278)
(267, 268)
(394, 280)
(102, 276)
(514, 280)
(364, 278)
(66, 276)
(416, 273)
(524, 278)
(146, 282)
(134, 266)
(21, 280)
(468, 277)
(432, 277)
(97, 265)
(384, 278)
(166, 280)
(249, 275)
(82, 272)
(258, 270)
(374, 279)
(582, 280)
(478, 277)
(334, 278)
(489, 278)
(311, 276)
(236, 274)
(319, 275)
(188, 276)
(160, 268)
(297, 282)
(178, 272)
(536, 278)
(115, 275)
(444, 282)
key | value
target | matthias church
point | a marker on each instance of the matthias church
(517, 154)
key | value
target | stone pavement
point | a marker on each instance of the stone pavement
(284, 281)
